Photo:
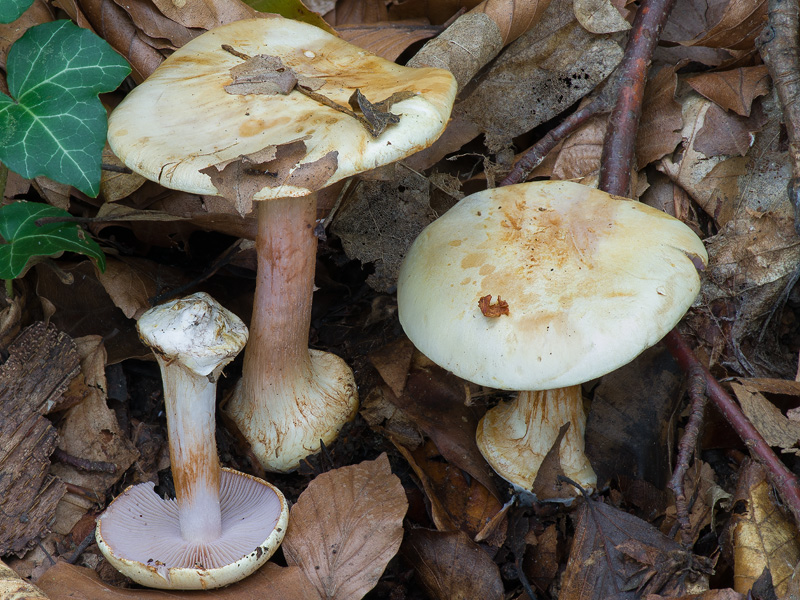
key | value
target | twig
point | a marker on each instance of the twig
(686, 449)
(74, 556)
(537, 153)
(94, 466)
(615, 179)
(618, 150)
(781, 477)
(778, 45)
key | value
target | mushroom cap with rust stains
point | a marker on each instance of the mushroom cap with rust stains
(591, 280)
(182, 129)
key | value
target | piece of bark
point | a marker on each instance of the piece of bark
(41, 364)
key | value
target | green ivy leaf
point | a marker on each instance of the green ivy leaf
(11, 10)
(25, 240)
(55, 125)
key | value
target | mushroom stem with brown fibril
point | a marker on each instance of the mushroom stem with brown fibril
(222, 524)
(515, 436)
(193, 339)
(290, 399)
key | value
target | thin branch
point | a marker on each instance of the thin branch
(618, 150)
(686, 450)
(616, 167)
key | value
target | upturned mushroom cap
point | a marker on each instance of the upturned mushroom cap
(181, 127)
(590, 279)
(140, 535)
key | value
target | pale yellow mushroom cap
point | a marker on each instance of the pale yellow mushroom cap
(182, 121)
(590, 279)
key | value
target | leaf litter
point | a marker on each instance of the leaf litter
(419, 513)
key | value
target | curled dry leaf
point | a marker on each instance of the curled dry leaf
(763, 535)
(735, 89)
(451, 566)
(739, 24)
(547, 70)
(345, 527)
(387, 40)
(777, 429)
(90, 431)
(660, 126)
(600, 16)
(205, 14)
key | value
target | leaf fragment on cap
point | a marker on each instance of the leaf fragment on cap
(493, 310)
(241, 179)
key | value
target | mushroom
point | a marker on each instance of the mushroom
(582, 283)
(222, 524)
(272, 110)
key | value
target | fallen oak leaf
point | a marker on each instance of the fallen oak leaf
(345, 527)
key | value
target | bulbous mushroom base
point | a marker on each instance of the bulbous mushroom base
(284, 420)
(514, 437)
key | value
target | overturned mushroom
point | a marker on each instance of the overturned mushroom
(222, 524)
(286, 110)
(587, 281)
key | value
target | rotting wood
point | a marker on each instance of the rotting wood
(42, 362)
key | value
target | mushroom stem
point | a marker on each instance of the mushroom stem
(289, 397)
(195, 464)
(286, 253)
(516, 436)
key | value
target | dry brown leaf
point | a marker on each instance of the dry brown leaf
(546, 71)
(382, 414)
(345, 527)
(131, 282)
(660, 126)
(763, 535)
(726, 134)
(725, 594)
(380, 220)
(387, 39)
(393, 362)
(457, 501)
(69, 582)
(115, 26)
(579, 156)
(205, 14)
(437, 403)
(116, 186)
(357, 12)
(154, 25)
(777, 429)
(13, 587)
(637, 558)
(90, 431)
(512, 17)
(738, 25)
(600, 16)
(713, 182)
(735, 89)
(451, 566)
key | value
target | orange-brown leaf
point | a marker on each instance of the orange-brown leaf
(345, 527)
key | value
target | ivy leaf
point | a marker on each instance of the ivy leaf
(25, 240)
(54, 124)
(11, 10)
